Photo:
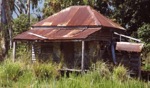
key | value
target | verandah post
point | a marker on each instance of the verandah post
(83, 52)
(14, 51)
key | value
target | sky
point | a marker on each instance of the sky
(33, 12)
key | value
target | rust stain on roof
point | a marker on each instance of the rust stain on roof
(78, 16)
(56, 34)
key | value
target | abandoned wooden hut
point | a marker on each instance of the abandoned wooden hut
(77, 35)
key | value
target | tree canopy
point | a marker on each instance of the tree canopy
(132, 14)
(144, 35)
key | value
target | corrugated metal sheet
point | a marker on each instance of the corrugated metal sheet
(130, 47)
(78, 16)
(80, 20)
(56, 34)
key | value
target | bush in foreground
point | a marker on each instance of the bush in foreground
(45, 75)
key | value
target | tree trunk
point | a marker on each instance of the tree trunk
(28, 10)
(2, 34)
(9, 23)
(6, 28)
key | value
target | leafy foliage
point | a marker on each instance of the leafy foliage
(131, 13)
(143, 34)
(53, 6)
(20, 24)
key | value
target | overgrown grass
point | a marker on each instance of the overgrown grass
(20, 74)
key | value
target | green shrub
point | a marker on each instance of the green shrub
(10, 72)
(143, 34)
(102, 68)
(147, 67)
(146, 62)
(43, 75)
(26, 80)
(120, 73)
(45, 70)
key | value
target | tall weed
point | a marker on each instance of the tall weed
(45, 71)
(44, 75)
(102, 68)
(120, 73)
(10, 72)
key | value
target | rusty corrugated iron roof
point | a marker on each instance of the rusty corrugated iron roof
(56, 34)
(78, 16)
(75, 22)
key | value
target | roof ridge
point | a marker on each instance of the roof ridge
(78, 16)
(93, 15)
